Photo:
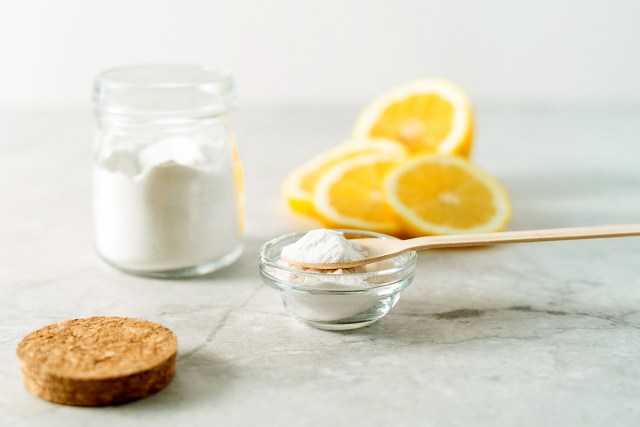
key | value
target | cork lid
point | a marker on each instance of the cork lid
(85, 353)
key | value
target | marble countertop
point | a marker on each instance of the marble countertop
(530, 335)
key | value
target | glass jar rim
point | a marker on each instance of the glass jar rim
(161, 91)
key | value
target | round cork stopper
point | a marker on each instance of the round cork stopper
(98, 360)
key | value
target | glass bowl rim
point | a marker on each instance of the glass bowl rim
(406, 267)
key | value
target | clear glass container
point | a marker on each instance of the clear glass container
(167, 177)
(336, 301)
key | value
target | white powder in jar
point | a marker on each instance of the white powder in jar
(164, 207)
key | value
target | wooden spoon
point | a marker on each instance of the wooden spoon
(380, 249)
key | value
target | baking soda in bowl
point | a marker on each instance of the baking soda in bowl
(334, 300)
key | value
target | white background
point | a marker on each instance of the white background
(286, 52)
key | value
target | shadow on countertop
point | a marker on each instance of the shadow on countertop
(523, 322)
(199, 377)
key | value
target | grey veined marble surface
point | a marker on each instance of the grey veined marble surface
(529, 335)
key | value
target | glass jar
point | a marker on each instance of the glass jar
(167, 176)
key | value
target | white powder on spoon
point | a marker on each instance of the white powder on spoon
(323, 246)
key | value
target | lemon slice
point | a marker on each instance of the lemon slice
(300, 183)
(437, 194)
(427, 115)
(350, 194)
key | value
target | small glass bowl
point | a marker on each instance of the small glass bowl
(333, 301)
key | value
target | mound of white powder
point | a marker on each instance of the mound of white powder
(323, 246)
(165, 206)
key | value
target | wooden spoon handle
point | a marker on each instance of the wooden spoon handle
(482, 239)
